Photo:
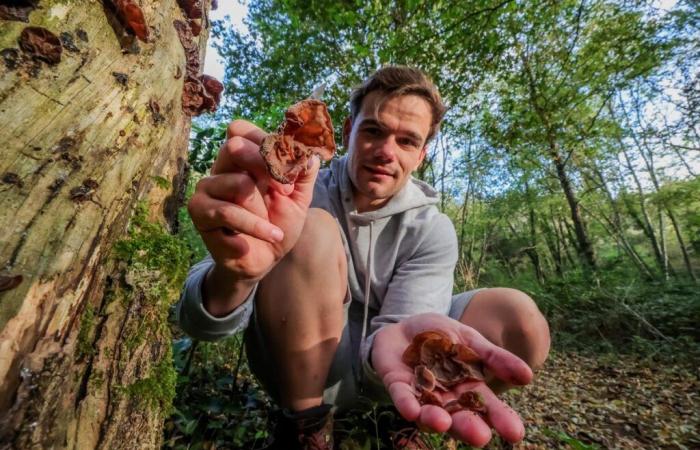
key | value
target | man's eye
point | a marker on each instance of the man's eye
(372, 131)
(408, 142)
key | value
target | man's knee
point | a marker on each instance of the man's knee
(320, 246)
(523, 326)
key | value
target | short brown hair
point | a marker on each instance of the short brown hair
(393, 81)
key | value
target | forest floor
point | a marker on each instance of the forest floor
(610, 402)
(577, 402)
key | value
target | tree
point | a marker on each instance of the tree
(95, 101)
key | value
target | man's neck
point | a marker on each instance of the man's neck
(365, 204)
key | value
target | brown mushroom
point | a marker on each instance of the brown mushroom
(306, 129)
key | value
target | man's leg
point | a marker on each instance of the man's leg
(300, 311)
(510, 319)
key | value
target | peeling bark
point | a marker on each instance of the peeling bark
(81, 333)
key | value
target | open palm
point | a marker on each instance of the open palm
(467, 426)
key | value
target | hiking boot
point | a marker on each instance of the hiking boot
(310, 429)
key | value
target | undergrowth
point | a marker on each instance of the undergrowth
(220, 405)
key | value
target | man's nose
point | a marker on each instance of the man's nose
(385, 149)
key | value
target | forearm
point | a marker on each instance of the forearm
(222, 292)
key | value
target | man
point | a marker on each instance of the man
(333, 293)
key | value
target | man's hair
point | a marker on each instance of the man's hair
(393, 81)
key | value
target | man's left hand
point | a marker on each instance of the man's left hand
(466, 426)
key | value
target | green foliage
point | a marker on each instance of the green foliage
(155, 265)
(150, 248)
(205, 142)
(572, 443)
(187, 232)
(213, 405)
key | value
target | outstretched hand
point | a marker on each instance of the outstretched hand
(466, 426)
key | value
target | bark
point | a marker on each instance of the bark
(84, 338)
(584, 246)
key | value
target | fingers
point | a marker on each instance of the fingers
(434, 419)
(475, 429)
(210, 214)
(240, 154)
(468, 427)
(404, 400)
(245, 129)
(503, 364)
(238, 188)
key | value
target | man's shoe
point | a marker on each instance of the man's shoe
(310, 429)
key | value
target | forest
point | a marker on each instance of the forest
(568, 162)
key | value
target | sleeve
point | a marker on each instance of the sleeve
(194, 320)
(421, 284)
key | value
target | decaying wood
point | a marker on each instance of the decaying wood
(81, 148)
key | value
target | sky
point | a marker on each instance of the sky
(236, 11)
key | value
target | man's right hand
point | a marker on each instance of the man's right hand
(248, 221)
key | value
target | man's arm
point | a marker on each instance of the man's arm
(201, 322)
(248, 222)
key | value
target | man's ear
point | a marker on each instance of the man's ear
(421, 157)
(347, 126)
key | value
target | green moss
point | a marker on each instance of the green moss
(84, 346)
(155, 266)
(161, 182)
(152, 253)
(157, 390)
(97, 379)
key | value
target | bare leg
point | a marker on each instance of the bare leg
(511, 320)
(300, 308)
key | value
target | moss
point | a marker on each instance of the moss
(157, 390)
(97, 379)
(84, 345)
(151, 252)
(161, 182)
(155, 266)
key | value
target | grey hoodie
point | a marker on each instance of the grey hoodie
(408, 248)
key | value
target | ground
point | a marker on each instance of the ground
(578, 401)
(611, 402)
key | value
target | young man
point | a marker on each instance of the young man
(335, 274)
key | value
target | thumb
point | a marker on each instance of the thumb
(304, 184)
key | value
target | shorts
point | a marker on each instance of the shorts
(345, 386)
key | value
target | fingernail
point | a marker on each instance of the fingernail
(287, 189)
(277, 234)
(310, 163)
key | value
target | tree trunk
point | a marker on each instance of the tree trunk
(85, 343)
(584, 245)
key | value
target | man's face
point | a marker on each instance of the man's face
(385, 148)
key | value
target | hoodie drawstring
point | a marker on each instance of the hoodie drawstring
(368, 277)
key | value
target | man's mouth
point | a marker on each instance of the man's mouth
(378, 171)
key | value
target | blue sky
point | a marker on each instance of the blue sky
(236, 11)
